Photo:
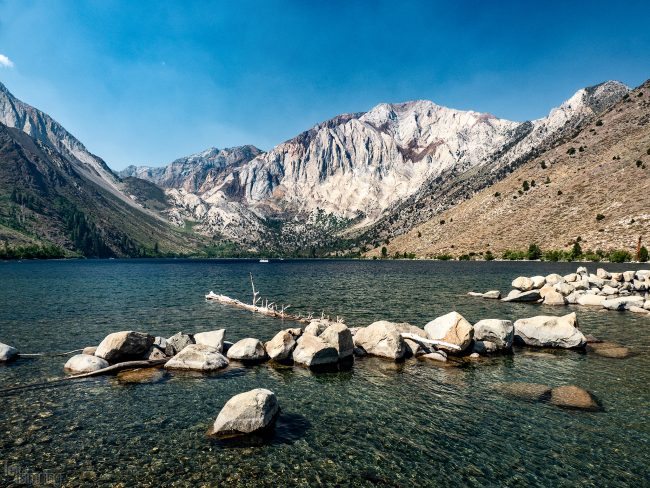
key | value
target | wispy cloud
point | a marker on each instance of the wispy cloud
(5, 62)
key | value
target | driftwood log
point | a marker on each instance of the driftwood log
(423, 340)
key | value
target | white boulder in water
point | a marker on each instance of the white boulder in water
(7, 353)
(84, 363)
(550, 331)
(212, 338)
(498, 332)
(246, 413)
(248, 349)
(123, 346)
(198, 357)
(451, 328)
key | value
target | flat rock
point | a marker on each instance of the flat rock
(491, 295)
(339, 336)
(212, 338)
(439, 356)
(198, 357)
(246, 413)
(451, 328)
(573, 397)
(550, 331)
(382, 339)
(248, 349)
(124, 346)
(141, 375)
(281, 347)
(591, 300)
(623, 303)
(84, 363)
(609, 350)
(635, 309)
(525, 391)
(523, 296)
(312, 351)
(498, 332)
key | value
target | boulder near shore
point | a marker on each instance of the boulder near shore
(7, 353)
(124, 346)
(246, 413)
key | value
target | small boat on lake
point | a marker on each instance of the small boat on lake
(264, 260)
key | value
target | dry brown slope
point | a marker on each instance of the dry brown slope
(589, 182)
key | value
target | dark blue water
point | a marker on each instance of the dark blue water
(383, 424)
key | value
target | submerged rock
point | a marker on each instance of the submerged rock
(501, 333)
(573, 397)
(312, 351)
(124, 346)
(248, 349)
(198, 357)
(246, 413)
(525, 391)
(609, 350)
(7, 353)
(440, 356)
(212, 338)
(84, 363)
(451, 328)
(382, 339)
(141, 375)
(281, 346)
(550, 331)
(339, 336)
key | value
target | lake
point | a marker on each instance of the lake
(381, 424)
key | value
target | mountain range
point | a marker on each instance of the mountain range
(343, 186)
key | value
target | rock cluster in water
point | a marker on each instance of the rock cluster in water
(628, 290)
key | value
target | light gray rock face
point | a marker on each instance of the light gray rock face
(646, 305)
(642, 274)
(571, 277)
(639, 285)
(281, 347)
(522, 296)
(124, 346)
(582, 271)
(601, 273)
(545, 289)
(339, 336)
(623, 303)
(90, 350)
(212, 338)
(7, 353)
(84, 363)
(312, 351)
(538, 281)
(618, 277)
(317, 326)
(155, 353)
(628, 275)
(523, 283)
(179, 341)
(582, 284)
(550, 331)
(248, 349)
(554, 278)
(498, 332)
(554, 298)
(382, 339)
(162, 344)
(451, 328)
(609, 290)
(572, 298)
(198, 357)
(591, 300)
(564, 288)
(491, 295)
(246, 413)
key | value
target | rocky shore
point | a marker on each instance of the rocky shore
(624, 291)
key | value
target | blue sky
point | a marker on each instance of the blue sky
(146, 82)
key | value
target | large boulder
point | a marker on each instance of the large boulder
(248, 349)
(605, 275)
(84, 363)
(317, 326)
(591, 300)
(554, 298)
(451, 328)
(124, 346)
(212, 338)
(573, 397)
(339, 336)
(246, 413)
(550, 331)
(609, 290)
(538, 281)
(564, 288)
(623, 303)
(7, 353)
(312, 351)
(523, 283)
(522, 296)
(571, 277)
(179, 341)
(281, 346)
(382, 339)
(198, 357)
(642, 274)
(628, 275)
(498, 332)
(554, 278)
